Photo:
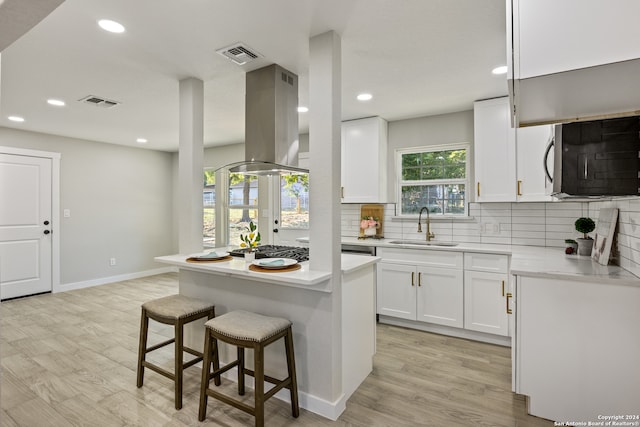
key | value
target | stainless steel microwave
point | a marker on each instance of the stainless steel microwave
(597, 158)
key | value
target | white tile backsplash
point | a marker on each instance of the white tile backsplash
(529, 224)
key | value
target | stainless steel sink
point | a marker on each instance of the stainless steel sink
(422, 243)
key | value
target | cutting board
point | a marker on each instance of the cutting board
(376, 211)
(605, 229)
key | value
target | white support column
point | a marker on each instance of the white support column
(190, 165)
(325, 101)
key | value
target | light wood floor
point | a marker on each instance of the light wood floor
(69, 359)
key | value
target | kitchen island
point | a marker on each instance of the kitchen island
(334, 338)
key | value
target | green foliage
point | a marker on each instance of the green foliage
(209, 177)
(252, 238)
(585, 226)
(448, 164)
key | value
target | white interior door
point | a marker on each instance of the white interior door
(25, 225)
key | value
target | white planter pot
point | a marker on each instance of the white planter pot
(249, 257)
(585, 246)
(371, 231)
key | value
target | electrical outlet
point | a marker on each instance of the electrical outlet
(67, 213)
(112, 262)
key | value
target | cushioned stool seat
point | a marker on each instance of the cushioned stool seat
(244, 329)
(176, 310)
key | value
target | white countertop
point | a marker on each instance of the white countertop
(532, 261)
(303, 278)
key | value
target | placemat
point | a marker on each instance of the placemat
(198, 261)
(258, 269)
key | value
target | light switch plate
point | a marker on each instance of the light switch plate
(66, 213)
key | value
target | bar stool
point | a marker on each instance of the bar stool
(176, 310)
(247, 330)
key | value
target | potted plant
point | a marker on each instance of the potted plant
(369, 225)
(572, 246)
(585, 243)
(250, 241)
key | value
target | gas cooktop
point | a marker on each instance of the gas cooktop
(275, 251)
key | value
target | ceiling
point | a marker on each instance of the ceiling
(417, 58)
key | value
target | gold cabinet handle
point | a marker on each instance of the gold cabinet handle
(503, 288)
(413, 275)
(419, 279)
(519, 187)
(509, 296)
(478, 189)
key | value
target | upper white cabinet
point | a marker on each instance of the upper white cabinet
(494, 151)
(509, 163)
(572, 59)
(553, 36)
(532, 184)
(364, 161)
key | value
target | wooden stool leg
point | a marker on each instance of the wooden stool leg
(258, 368)
(291, 368)
(240, 371)
(179, 355)
(142, 346)
(204, 383)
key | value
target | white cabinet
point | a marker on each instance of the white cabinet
(364, 161)
(572, 60)
(532, 184)
(552, 36)
(421, 285)
(509, 163)
(439, 295)
(494, 151)
(396, 288)
(577, 348)
(486, 293)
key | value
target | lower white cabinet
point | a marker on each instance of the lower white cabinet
(577, 348)
(485, 302)
(470, 291)
(414, 289)
(486, 293)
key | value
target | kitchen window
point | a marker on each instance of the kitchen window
(243, 205)
(435, 177)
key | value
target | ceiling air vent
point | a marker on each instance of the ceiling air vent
(239, 53)
(99, 101)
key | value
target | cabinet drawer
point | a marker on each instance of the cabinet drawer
(486, 262)
(426, 257)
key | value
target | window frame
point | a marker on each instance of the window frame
(425, 149)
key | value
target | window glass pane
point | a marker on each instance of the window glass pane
(294, 201)
(415, 197)
(209, 208)
(243, 205)
(454, 199)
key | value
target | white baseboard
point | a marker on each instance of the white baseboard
(112, 279)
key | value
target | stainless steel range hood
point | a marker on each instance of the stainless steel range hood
(271, 123)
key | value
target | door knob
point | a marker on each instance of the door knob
(46, 223)
(47, 231)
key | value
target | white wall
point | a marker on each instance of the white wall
(120, 200)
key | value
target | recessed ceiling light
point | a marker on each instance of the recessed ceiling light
(141, 141)
(500, 70)
(302, 109)
(111, 26)
(56, 102)
(364, 97)
(16, 118)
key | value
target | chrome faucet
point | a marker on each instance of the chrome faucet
(430, 235)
